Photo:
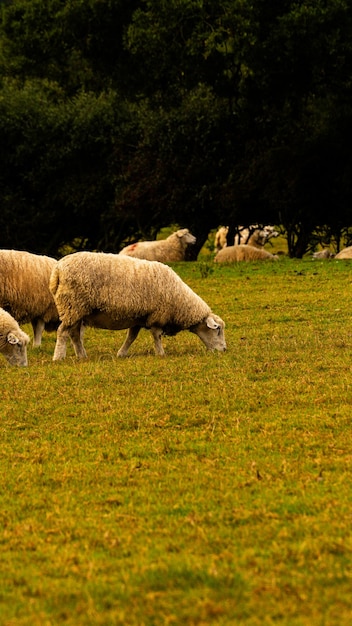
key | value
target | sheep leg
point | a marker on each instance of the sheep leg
(132, 334)
(76, 333)
(157, 334)
(38, 327)
(61, 340)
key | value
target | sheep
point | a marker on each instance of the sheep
(116, 292)
(164, 250)
(13, 341)
(243, 252)
(323, 254)
(243, 234)
(255, 235)
(220, 240)
(346, 253)
(24, 290)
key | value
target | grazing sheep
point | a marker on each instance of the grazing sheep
(24, 290)
(13, 341)
(164, 250)
(116, 292)
(220, 240)
(323, 254)
(255, 235)
(346, 253)
(243, 252)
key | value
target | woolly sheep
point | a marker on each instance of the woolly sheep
(243, 252)
(221, 238)
(117, 292)
(323, 254)
(165, 250)
(13, 341)
(24, 290)
(346, 253)
(255, 235)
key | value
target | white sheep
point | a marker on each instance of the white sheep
(255, 235)
(220, 240)
(323, 254)
(167, 250)
(24, 290)
(13, 341)
(243, 252)
(346, 253)
(117, 292)
(243, 234)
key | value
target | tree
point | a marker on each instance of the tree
(79, 44)
(57, 166)
(226, 111)
(283, 70)
(176, 171)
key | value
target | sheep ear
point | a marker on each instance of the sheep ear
(211, 323)
(11, 338)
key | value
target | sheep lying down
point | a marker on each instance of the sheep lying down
(118, 292)
(167, 250)
(13, 341)
(243, 252)
(346, 253)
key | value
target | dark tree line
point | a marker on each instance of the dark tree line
(119, 117)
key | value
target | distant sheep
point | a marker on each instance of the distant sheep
(221, 238)
(13, 341)
(255, 235)
(164, 250)
(24, 290)
(346, 253)
(243, 252)
(114, 291)
(323, 254)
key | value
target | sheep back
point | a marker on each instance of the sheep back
(127, 289)
(346, 253)
(24, 286)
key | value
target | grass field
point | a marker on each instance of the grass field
(193, 489)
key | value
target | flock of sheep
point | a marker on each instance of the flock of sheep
(111, 291)
(346, 253)
(131, 290)
(248, 244)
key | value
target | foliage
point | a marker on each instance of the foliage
(58, 163)
(184, 44)
(175, 173)
(77, 44)
(197, 488)
(233, 111)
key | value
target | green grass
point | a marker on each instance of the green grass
(193, 489)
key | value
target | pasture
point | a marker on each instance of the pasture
(194, 489)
